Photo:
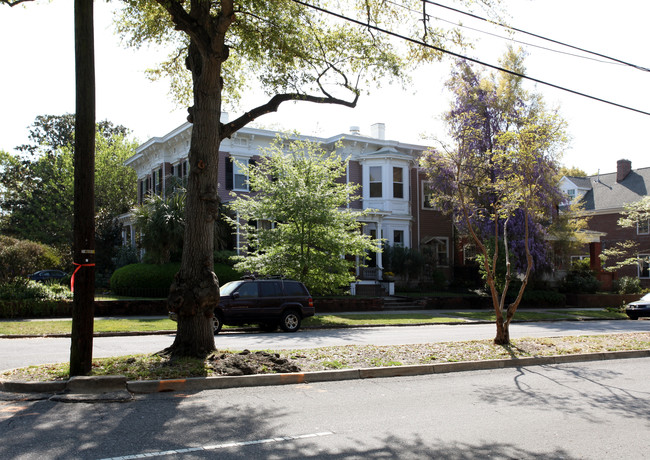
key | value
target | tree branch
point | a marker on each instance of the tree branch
(14, 2)
(272, 105)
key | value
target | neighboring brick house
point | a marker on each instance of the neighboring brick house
(603, 197)
(387, 170)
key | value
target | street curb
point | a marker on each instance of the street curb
(213, 383)
(118, 389)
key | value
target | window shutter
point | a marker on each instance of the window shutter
(229, 173)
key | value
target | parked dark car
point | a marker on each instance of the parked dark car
(267, 302)
(47, 275)
(639, 308)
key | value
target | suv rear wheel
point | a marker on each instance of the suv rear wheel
(217, 323)
(290, 321)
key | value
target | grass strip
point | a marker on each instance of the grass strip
(153, 367)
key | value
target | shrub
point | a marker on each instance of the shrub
(144, 280)
(154, 280)
(628, 285)
(35, 308)
(224, 257)
(436, 282)
(19, 258)
(580, 280)
(24, 289)
(225, 273)
(543, 298)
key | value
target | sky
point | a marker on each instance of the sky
(37, 78)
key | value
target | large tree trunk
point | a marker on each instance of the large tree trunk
(195, 291)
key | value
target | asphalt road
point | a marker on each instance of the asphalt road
(26, 352)
(594, 410)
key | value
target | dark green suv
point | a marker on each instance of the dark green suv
(268, 302)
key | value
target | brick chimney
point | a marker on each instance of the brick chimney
(623, 168)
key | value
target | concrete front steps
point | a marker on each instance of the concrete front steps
(401, 303)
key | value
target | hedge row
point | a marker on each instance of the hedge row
(35, 309)
(153, 280)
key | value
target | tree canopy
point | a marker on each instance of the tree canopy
(498, 178)
(296, 221)
(571, 172)
(294, 51)
(37, 180)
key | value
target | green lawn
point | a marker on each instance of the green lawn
(602, 314)
(521, 316)
(377, 319)
(25, 327)
(543, 316)
(101, 325)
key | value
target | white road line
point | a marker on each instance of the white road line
(220, 446)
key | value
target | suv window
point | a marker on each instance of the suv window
(294, 288)
(248, 290)
(270, 289)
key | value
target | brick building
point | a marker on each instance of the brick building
(603, 197)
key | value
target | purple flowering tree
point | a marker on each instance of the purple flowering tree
(497, 177)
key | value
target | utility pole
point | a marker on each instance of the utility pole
(83, 279)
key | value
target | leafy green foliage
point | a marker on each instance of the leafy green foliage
(625, 253)
(406, 262)
(303, 229)
(498, 180)
(143, 280)
(283, 46)
(628, 285)
(154, 280)
(571, 172)
(25, 289)
(580, 279)
(19, 258)
(543, 298)
(38, 186)
(161, 222)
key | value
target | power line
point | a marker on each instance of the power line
(466, 58)
(645, 69)
(579, 56)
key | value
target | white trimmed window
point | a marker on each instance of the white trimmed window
(374, 181)
(398, 238)
(442, 251)
(240, 179)
(398, 182)
(643, 227)
(427, 195)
